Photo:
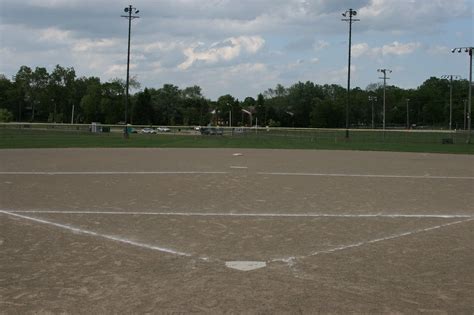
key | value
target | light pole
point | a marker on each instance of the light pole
(130, 10)
(230, 115)
(464, 113)
(468, 50)
(451, 77)
(373, 99)
(349, 13)
(384, 71)
(408, 113)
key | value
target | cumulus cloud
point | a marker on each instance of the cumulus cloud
(222, 51)
(396, 48)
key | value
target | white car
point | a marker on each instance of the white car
(147, 131)
(163, 129)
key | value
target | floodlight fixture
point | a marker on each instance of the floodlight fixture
(451, 78)
(384, 71)
(130, 9)
(469, 115)
(349, 13)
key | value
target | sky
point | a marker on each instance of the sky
(239, 47)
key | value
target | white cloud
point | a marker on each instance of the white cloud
(85, 45)
(360, 49)
(222, 51)
(396, 48)
(54, 34)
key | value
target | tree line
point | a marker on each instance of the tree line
(62, 97)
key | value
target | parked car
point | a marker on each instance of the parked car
(212, 131)
(163, 129)
(147, 131)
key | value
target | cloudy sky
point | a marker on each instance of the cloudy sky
(240, 47)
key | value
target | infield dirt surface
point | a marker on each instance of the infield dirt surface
(153, 230)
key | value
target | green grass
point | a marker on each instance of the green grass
(331, 140)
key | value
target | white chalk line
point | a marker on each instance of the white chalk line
(95, 234)
(290, 260)
(52, 173)
(116, 173)
(263, 215)
(366, 175)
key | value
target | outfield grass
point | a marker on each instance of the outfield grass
(24, 138)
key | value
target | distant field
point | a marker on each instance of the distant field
(262, 139)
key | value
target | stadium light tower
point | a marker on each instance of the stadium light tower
(384, 71)
(469, 114)
(130, 10)
(348, 17)
(451, 77)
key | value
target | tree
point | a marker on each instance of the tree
(23, 91)
(143, 110)
(39, 93)
(7, 94)
(62, 87)
(91, 101)
(5, 115)
(328, 114)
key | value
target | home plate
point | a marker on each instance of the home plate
(245, 265)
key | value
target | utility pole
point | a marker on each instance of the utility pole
(349, 13)
(384, 71)
(130, 10)
(469, 113)
(451, 77)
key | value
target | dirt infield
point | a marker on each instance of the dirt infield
(161, 230)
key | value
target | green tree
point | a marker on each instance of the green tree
(5, 115)
(91, 101)
(143, 110)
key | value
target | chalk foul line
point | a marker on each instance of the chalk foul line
(262, 215)
(291, 260)
(95, 234)
(366, 175)
(58, 173)
(116, 173)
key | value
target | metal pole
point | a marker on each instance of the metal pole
(128, 70)
(464, 113)
(451, 103)
(408, 114)
(373, 124)
(384, 85)
(351, 20)
(130, 17)
(384, 71)
(469, 116)
(349, 75)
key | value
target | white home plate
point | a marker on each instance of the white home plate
(245, 265)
